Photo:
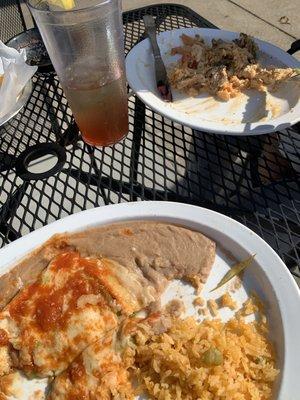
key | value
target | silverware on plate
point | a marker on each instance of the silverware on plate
(162, 81)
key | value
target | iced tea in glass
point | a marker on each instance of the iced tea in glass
(85, 44)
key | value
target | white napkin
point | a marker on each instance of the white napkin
(15, 74)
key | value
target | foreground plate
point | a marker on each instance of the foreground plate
(268, 276)
(251, 112)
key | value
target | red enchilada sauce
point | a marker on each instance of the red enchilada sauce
(76, 370)
(45, 304)
(3, 337)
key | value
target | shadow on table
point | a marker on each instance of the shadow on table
(258, 176)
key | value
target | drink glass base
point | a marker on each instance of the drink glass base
(93, 144)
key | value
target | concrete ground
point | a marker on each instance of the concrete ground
(276, 21)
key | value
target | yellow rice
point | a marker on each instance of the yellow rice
(199, 301)
(213, 307)
(227, 301)
(171, 365)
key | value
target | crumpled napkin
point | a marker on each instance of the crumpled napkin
(14, 74)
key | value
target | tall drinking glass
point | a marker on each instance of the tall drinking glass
(85, 45)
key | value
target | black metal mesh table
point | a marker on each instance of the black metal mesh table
(252, 179)
(11, 19)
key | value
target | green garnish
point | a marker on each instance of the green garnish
(212, 357)
(235, 270)
(297, 71)
(32, 375)
(45, 279)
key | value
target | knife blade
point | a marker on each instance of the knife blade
(162, 81)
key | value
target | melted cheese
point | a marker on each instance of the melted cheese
(102, 369)
(73, 304)
(99, 370)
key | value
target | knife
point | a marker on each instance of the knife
(162, 81)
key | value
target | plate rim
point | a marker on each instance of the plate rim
(189, 216)
(256, 128)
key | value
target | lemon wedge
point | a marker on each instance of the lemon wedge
(65, 4)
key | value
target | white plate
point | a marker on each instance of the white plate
(251, 112)
(268, 276)
(20, 103)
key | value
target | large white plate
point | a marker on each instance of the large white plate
(251, 112)
(268, 276)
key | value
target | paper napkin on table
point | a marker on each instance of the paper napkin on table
(14, 74)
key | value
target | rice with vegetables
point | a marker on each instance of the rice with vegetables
(210, 360)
